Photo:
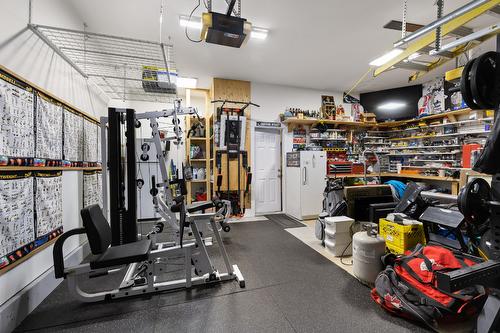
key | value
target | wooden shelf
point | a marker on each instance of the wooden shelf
(348, 175)
(416, 176)
(395, 175)
(204, 143)
(29, 255)
(32, 168)
(438, 136)
(198, 181)
(433, 167)
(449, 114)
(294, 122)
(470, 121)
(421, 147)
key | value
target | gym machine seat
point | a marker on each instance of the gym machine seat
(200, 206)
(99, 236)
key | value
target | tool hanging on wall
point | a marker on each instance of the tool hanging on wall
(232, 143)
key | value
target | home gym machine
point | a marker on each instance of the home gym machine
(115, 245)
(232, 129)
(478, 201)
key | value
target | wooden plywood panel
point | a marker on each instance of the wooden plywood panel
(235, 90)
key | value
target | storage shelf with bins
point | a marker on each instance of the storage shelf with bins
(375, 141)
(199, 186)
(424, 145)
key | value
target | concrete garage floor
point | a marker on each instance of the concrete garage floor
(289, 288)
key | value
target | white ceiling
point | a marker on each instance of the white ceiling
(321, 44)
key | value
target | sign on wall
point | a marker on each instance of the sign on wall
(49, 119)
(16, 118)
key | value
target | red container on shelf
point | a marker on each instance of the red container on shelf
(470, 152)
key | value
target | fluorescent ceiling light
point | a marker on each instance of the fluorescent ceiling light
(195, 23)
(391, 106)
(259, 33)
(386, 57)
(414, 56)
(187, 82)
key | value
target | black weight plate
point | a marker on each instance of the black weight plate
(472, 200)
(482, 80)
(465, 88)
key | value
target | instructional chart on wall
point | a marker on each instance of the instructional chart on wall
(49, 119)
(90, 141)
(92, 188)
(48, 202)
(73, 136)
(16, 118)
(16, 214)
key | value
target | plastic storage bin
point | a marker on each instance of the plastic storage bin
(399, 238)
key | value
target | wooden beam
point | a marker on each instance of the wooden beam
(446, 29)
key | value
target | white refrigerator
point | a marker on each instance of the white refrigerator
(305, 182)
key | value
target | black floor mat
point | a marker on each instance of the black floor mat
(284, 221)
(289, 288)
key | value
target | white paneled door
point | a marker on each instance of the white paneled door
(267, 173)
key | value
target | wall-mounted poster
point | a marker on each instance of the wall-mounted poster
(17, 225)
(435, 91)
(89, 141)
(73, 136)
(48, 202)
(16, 118)
(92, 188)
(99, 157)
(49, 123)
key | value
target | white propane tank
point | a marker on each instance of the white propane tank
(367, 248)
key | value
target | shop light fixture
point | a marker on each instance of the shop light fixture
(414, 56)
(187, 82)
(386, 57)
(391, 106)
(259, 33)
(195, 23)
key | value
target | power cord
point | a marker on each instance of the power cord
(342, 255)
(189, 20)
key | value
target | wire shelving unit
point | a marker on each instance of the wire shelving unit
(115, 64)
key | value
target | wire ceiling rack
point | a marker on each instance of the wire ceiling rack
(121, 67)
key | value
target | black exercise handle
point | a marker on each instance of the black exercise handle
(57, 252)
(154, 190)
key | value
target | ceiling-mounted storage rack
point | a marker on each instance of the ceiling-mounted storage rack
(115, 64)
(418, 52)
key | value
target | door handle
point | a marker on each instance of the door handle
(304, 181)
(279, 173)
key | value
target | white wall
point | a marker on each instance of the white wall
(25, 54)
(275, 99)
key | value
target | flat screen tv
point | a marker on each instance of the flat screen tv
(393, 104)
